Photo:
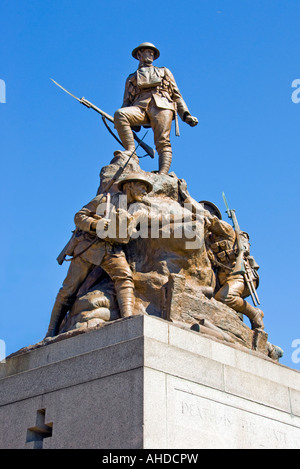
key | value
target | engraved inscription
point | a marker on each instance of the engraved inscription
(213, 424)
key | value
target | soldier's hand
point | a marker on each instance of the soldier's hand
(192, 121)
(183, 189)
(121, 211)
(93, 226)
(106, 223)
(101, 224)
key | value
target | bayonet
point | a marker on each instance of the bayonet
(104, 115)
(225, 202)
(231, 214)
(73, 95)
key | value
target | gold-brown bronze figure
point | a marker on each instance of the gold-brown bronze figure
(88, 251)
(229, 252)
(224, 253)
(153, 99)
(176, 259)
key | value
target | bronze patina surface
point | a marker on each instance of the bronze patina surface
(144, 245)
(151, 98)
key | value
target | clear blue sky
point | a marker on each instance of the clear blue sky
(234, 62)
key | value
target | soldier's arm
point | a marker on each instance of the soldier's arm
(182, 108)
(86, 219)
(221, 228)
(128, 93)
(190, 203)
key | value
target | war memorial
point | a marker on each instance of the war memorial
(156, 339)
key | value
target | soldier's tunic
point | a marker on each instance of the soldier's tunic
(222, 251)
(90, 251)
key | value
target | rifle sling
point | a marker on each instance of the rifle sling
(111, 132)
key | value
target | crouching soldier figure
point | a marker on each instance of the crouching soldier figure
(89, 250)
(221, 241)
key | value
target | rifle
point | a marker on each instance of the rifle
(242, 265)
(105, 116)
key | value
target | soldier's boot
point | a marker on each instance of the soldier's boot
(164, 162)
(255, 315)
(58, 313)
(126, 302)
(124, 131)
(274, 351)
(126, 137)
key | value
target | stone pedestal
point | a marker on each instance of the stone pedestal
(143, 382)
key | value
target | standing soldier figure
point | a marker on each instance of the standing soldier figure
(151, 99)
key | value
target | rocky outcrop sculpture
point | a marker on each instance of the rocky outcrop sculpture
(173, 275)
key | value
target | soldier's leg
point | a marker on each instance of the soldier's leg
(161, 123)
(124, 119)
(77, 273)
(231, 294)
(116, 265)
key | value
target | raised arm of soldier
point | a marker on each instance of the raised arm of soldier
(200, 209)
(87, 218)
(221, 228)
(176, 96)
(91, 250)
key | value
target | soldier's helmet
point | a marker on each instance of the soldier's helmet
(135, 177)
(211, 208)
(146, 45)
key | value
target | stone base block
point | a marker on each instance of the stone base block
(143, 382)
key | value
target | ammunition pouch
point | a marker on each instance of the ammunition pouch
(222, 256)
(231, 254)
(223, 245)
(225, 256)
